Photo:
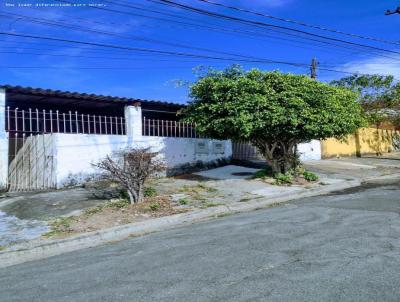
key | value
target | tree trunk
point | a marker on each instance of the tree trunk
(274, 164)
(289, 156)
(280, 156)
(131, 197)
(140, 193)
(135, 194)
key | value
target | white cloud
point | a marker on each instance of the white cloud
(377, 65)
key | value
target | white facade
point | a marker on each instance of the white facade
(3, 141)
(56, 160)
(310, 150)
(75, 154)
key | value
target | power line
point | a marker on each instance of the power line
(224, 29)
(89, 67)
(95, 57)
(113, 46)
(235, 31)
(131, 59)
(86, 49)
(258, 33)
(301, 23)
(55, 23)
(180, 54)
(259, 23)
(138, 68)
(197, 26)
(145, 50)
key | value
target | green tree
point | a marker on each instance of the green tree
(272, 110)
(379, 96)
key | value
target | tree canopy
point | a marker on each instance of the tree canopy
(273, 110)
(379, 96)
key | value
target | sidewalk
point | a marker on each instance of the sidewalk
(357, 167)
(335, 174)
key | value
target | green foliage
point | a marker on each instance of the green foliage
(212, 204)
(123, 194)
(197, 189)
(283, 178)
(150, 192)
(379, 96)
(272, 106)
(116, 204)
(60, 226)
(183, 201)
(290, 176)
(310, 176)
(273, 110)
(298, 171)
(264, 173)
(154, 206)
(368, 86)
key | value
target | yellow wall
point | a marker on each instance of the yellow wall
(364, 141)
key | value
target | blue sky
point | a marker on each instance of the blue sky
(151, 76)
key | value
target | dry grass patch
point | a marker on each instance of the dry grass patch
(110, 214)
(197, 189)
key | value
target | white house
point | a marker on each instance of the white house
(51, 139)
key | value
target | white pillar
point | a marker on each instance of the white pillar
(133, 122)
(3, 141)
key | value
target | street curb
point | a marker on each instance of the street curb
(394, 177)
(36, 251)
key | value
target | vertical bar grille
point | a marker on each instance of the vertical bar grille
(165, 128)
(36, 121)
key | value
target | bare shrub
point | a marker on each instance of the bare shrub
(131, 168)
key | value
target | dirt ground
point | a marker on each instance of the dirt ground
(112, 213)
(89, 208)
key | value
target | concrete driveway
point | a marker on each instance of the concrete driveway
(353, 167)
(342, 247)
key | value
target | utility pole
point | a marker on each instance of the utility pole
(313, 68)
(396, 11)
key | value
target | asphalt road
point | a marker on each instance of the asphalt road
(342, 247)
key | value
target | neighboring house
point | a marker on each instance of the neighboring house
(366, 141)
(51, 139)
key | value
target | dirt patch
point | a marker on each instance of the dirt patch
(112, 214)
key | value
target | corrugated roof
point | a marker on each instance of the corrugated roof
(82, 96)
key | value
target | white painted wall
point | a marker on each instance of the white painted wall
(180, 151)
(75, 154)
(310, 151)
(3, 141)
(133, 121)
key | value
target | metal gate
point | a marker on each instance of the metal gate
(31, 152)
(31, 162)
(245, 151)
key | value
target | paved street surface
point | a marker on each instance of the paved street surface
(342, 247)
